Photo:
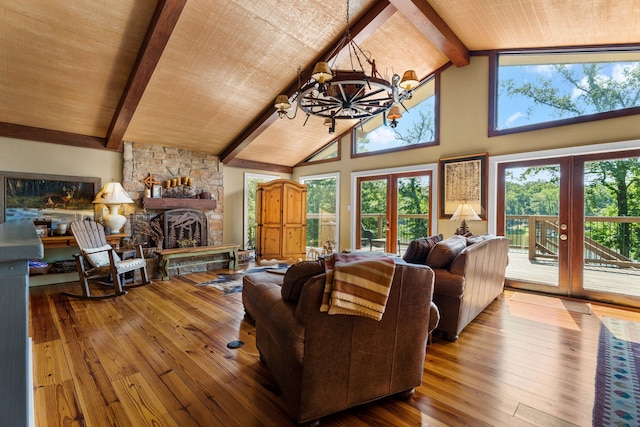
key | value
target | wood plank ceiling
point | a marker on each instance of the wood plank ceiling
(203, 75)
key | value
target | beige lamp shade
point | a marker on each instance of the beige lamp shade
(322, 72)
(465, 212)
(112, 193)
(409, 80)
(113, 196)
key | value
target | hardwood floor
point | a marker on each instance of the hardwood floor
(158, 356)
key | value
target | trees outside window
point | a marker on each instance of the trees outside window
(536, 88)
(416, 128)
(322, 203)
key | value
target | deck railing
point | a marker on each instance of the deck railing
(607, 240)
(605, 237)
(410, 226)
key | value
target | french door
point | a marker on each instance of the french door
(533, 211)
(573, 225)
(392, 210)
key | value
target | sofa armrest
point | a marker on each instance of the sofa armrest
(448, 284)
(310, 298)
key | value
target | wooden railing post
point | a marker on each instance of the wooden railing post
(532, 237)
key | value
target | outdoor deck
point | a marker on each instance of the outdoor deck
(617, 280)
(602, 279)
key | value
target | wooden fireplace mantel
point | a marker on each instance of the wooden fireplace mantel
(171, 203)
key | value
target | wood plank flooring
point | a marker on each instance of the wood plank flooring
(158, 357)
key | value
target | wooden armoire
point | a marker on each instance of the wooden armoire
(282, 220)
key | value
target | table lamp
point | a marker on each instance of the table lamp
(113, 196)
(464, 212)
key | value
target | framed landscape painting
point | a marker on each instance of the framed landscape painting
(56, 198)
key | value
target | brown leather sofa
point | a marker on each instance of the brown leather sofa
(326, 363)
(469, 275)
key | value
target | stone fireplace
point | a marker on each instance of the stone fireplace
(184, 221)
(165, 163)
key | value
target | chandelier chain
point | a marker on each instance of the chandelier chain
(347, 94)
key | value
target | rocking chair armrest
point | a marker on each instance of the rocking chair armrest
(85, 253)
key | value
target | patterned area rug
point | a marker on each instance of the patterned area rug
(617, 396)
(232, 283)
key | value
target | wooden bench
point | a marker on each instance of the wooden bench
(166, 255)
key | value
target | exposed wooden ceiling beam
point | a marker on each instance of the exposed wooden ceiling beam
(162, 24)
(251, 164)
(427, 20)
(360, 30)
(11, 130)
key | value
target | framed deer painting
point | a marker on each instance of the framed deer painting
(55, 198)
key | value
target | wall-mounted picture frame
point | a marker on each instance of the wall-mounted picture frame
(55, 198)
(463, 179)
(156, 191)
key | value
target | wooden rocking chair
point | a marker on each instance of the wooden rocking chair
(97, 259)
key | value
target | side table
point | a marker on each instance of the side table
(126, 253)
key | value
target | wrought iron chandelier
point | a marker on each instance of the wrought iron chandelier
(340, 94)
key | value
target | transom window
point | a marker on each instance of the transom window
(417, 127)
(328, 153)
(543, 89)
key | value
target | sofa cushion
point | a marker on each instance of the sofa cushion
(419, 249)
(297, 275)
(444, 252)
(477, 239)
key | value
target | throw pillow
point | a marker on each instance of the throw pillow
(297, 275)
(99, 257)
(477, 239)
(419, 249)
(444, 252)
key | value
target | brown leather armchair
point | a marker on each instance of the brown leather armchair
(326, 363)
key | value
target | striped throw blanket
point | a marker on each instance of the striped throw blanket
(359, 286)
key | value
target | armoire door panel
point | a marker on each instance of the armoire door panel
(295, 237)
(271, 206)
(271, 242)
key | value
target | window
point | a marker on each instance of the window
(418, 126)
(328, 153)
(251, 182)
(322, 206)
(536, 89)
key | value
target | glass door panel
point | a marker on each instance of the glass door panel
(535, 219)
(413, 209)
(321, 214)
(611, 233)
(372, 210)
(393, 210)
